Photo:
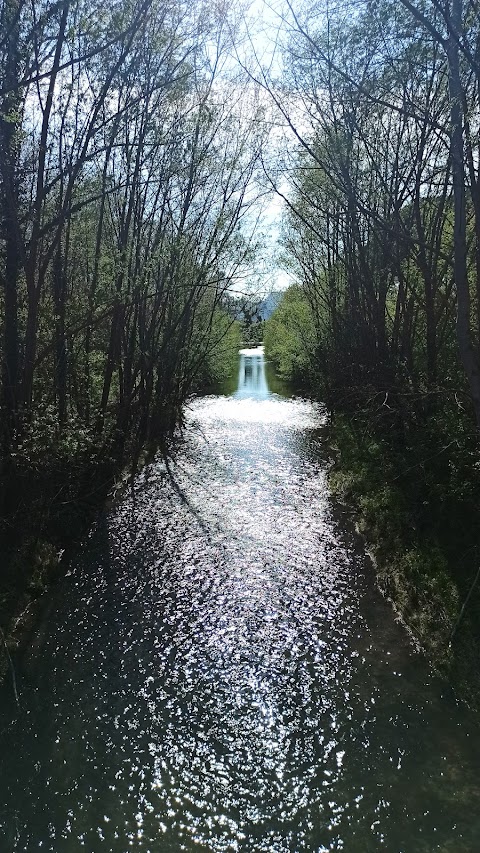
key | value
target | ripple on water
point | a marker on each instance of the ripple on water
(221, 675)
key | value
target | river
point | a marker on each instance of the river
(218, 672)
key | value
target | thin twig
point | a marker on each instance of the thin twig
(427, 459)
(462, 611)
(12, 668)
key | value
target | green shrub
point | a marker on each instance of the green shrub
(290, 337)
(220, 357)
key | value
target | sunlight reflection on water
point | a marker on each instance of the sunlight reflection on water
(221, 675)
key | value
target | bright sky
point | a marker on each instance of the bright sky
(262, 22)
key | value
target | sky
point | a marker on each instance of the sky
(262, 21)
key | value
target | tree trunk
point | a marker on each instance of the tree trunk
(9, 127)
(60, 372)
(467, 350)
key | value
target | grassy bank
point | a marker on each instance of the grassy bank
(418, 505)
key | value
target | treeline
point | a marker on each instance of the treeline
(125, 161)
(384, 225)
(383, 239)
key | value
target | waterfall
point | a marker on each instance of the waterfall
(252, 380)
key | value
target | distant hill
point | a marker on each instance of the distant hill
(267, 306)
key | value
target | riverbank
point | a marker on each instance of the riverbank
(49, 502)
(417, 506)
(54, 485)
(219, 668)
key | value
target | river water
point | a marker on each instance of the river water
(217, 672)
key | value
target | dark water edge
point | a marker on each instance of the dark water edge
(50, 509)
(46, 513)
(49, 512)
(219, 672)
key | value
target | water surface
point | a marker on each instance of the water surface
(218, 672)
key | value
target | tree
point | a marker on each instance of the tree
(390, 99)
(128, 155)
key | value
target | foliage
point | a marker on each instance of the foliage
(253, 333)
(376, 196)
(290, 338)
(383, 235)
(220, 360)
(126, 167)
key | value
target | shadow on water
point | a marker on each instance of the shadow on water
(219, 673)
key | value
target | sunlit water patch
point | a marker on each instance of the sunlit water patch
(218, 672)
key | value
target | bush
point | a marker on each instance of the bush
(290, 337)
(221, 357)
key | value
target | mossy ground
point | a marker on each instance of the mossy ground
(418, 506)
